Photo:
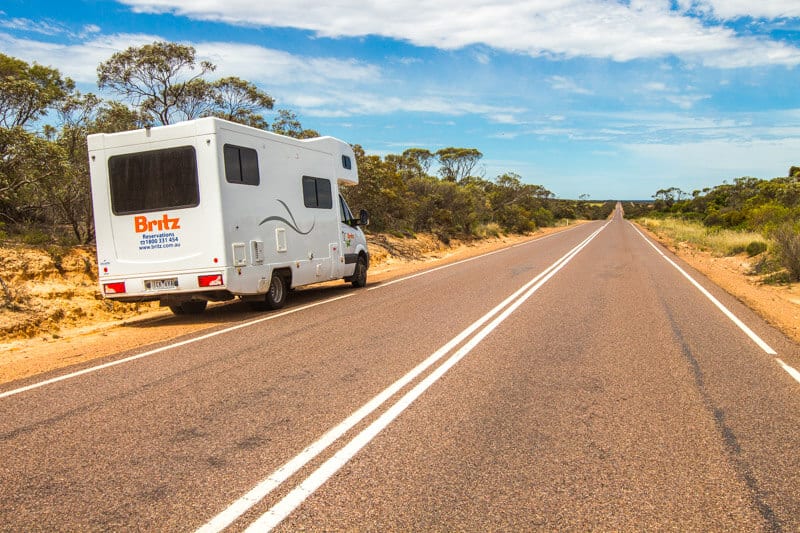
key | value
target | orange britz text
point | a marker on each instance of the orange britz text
(164, 223)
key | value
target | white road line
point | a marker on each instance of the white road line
(168, 347)
(741, 325)
(280, 511)
(791, 371)
(261, 490)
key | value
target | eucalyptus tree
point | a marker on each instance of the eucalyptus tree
(165, 82)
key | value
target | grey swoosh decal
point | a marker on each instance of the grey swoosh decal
(292, 224)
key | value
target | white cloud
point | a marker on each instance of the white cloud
(348, 103)
(78, 61)
(561, 83)
(686, 101)
(45, 27)
(250, 62)
(33, 26)
(732, 9)
(275, 67)
(655, 86)
(504, 118)
(616, 30)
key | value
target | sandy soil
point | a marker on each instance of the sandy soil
(52, 316)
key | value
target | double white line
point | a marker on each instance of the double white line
(483, 326)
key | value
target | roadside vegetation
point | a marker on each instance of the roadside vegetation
(754, 216)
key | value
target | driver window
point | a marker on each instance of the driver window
(345, 213)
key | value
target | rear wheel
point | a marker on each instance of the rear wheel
(192, 307)
(278, 290)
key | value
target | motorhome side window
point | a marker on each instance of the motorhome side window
(241, 165)
(317, 192)
(154, 180)
(346, 163)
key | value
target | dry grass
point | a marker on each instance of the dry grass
(719, 242)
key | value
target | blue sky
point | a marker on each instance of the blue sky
(612, 99)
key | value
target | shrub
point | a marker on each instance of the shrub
(36, 237)
(492, 229)
(755, 248)
(787, 245)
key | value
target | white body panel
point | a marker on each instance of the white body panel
(239, 230)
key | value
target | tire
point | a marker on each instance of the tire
(193, 307)
(277, 293)
(359, 277)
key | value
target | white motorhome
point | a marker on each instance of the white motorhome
(209, 210)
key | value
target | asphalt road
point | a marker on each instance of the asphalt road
(576, 382)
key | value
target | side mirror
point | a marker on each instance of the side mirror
(363, 218)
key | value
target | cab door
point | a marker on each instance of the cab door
(348, 237)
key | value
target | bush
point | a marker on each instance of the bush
(492, 229)
(36, 237)
(787, 245)
(755, 248)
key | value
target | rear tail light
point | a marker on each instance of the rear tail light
(114, 288)
(214, 280)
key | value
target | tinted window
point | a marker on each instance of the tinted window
(153, 181)
(317, 193)
(346, 162)
(241, 165)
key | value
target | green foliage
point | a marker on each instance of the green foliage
(287, 124)
(28, 92)
(157, 78)
(457, 163)
(755, 248)
(748, 206)
(239, 101)
(402, 198)
(787, 242)
(164, 83)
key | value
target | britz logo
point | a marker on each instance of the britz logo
(164, 223)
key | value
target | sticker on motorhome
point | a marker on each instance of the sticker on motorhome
(154, 232)
(159, 241)
(293, 224)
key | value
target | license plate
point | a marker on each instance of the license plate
(161, 284)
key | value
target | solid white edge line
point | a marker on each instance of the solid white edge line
(168, 347)
(268, 484)
(299, 494)
(750, 333)
(789, 370)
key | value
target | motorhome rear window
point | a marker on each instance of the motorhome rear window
(153, 180)
(241, 165)
(317, 193)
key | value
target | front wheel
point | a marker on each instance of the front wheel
(359, 278)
